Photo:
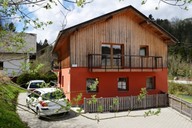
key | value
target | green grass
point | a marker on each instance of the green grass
(186, 98)
(8, 99)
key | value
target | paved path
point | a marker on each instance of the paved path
(168, 118)
(181, 81)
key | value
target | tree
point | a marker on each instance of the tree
(180, 3)
(17, 10)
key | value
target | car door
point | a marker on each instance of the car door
(34, 99)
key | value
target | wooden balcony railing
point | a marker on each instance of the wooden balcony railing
(102, 62)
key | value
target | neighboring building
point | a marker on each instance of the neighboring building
(124, 50)
(13, 56)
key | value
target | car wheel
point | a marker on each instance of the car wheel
(66, 113)
(38, 113)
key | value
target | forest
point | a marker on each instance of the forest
(180, 54)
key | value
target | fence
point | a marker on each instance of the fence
(180, 105)
(125, 103)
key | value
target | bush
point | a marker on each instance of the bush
(177, 89)
(26, 77)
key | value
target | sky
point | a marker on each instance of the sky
(63, 19)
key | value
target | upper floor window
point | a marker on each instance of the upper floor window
(1, 65)
(112, 55)
(150, 83)
(144, 51)
(92, 84)
(122, 84)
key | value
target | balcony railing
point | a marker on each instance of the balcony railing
(103, 62)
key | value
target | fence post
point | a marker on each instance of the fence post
(145, 102)
(167, 101)
(170, 100)
(157, 100)
(85, 105)
(180, 105)
(131, 102)
(191, 111)
(102, 103)
(118, 105)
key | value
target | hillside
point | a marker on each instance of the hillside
(8, 101)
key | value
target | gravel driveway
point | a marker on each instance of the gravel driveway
(69, 120)
(168, 118)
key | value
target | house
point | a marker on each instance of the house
(18, 49)
(123, 50)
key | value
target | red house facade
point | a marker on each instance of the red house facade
(123, 50)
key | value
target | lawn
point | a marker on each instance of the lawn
(186, 98)
(8, 99)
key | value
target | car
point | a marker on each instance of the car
(48, 101)
(33, 84)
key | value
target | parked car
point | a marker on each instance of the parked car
(33, 84)
(47, 101)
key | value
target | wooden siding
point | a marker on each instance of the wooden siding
(64, 53)
(123, 28)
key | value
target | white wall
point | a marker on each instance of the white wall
(12, 59)
(27, 46)
(12, 63)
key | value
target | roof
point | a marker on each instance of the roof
(144, 20)
(18, 43)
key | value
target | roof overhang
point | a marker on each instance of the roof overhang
(140, 18)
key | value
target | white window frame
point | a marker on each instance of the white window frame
(122, 84)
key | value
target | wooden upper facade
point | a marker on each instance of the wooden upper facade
(121, 39)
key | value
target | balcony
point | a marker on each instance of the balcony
(124, 63)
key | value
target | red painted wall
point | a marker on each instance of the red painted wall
(76, 78)
(65, 81)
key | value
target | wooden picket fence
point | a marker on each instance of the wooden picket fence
(180, 105)
(125, 103)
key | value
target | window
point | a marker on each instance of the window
(144, 51)
(1, 65)
(92, 85)
(122, 84)
(112, 55)
(150, 83)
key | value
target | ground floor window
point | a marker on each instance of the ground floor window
(150, 83)
(92, 84)
(1, 65)
(122, 84)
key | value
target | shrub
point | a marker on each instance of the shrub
(26, 77)
(177, 89)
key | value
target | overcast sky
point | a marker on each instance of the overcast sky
(98, 8)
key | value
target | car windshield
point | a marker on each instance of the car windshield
(36, 84)
(53, 95)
